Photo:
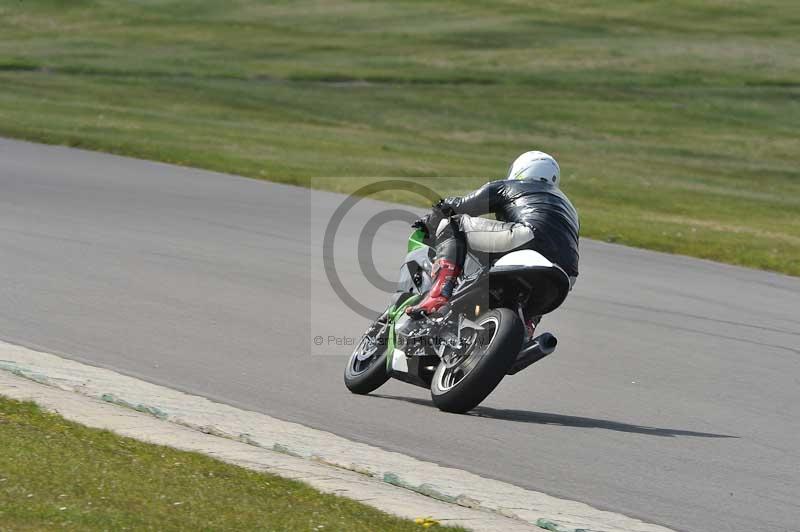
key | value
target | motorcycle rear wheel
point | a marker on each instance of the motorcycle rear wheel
(462, 386)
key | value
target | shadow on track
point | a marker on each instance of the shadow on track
(543, 418)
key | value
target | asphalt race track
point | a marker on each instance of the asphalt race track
(674, 395)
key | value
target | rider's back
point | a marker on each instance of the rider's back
(548, 211)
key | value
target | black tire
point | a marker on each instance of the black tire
(363, 378)
(485, 367)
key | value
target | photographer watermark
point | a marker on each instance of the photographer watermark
(365, 245)
(356, 247)
(330, 339)
(433, 342)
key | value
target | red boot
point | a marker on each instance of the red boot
(445, 273)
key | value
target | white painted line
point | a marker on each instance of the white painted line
(378, 468)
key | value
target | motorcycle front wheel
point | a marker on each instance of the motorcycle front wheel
(467, 376)
(366, 368)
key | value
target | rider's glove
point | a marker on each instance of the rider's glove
(443, 208)
(422, 224)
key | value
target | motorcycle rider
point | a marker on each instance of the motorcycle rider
(531, 212)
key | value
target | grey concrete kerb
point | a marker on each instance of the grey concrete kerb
(390, 481)
(99, 414)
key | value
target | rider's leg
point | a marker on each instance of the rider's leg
(498, 238)
(489, 236)
(450, 254)
(495, 237)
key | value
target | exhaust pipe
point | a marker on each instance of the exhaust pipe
(542, 345)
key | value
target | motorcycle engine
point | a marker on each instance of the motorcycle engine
(412, 335)
(425, 336)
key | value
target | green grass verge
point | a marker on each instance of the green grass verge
(677, 124)
(59, 475)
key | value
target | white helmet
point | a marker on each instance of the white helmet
(535, 165)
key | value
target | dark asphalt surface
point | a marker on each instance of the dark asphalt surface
(674, 395)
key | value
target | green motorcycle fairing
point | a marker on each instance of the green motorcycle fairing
(415, 241)
(395, 312)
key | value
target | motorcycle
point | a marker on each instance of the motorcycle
(463, 351)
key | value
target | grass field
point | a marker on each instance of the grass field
(58, 475)
(677, 124)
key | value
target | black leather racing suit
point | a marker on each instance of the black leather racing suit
(536, 204)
